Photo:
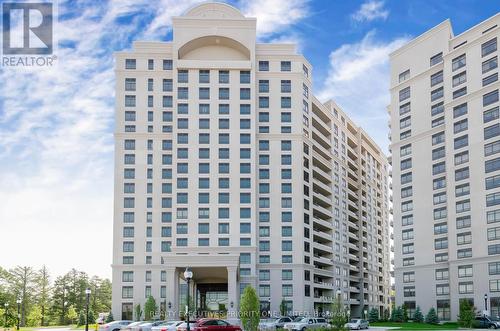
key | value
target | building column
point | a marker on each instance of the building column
(232, 292)
(172, 312)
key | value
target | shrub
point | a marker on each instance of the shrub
(397, 315)
(373, 315)
(110, 318)
(467, 314)
(418, 317)
(432, 317)
(250, 309)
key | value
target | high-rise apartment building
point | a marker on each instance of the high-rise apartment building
(446, 169)
(227, 164)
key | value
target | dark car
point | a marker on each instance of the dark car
(484, 322)
(212, 324)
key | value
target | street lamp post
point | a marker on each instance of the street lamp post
(485, 303)
(18, 312)
(188, 274)
(87, 292)
(6, 306)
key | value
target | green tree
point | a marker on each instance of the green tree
(283, 311)
(418, 317)
(339, 314)
(34, 317)
(21, 282)
(60, 299)
(432, 317)
(91, 317)
(397, 315)
(43, 292)
(387, 315)
(467, 314)
(110, 317)
(81, 318)
(249, 309)
(405, 313)
(138, 312)
(373, 315)
(72, 315)
(150, 308)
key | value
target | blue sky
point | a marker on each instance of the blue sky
(56, 124)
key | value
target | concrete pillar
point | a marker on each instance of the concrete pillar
(172, 294)
(232, 292)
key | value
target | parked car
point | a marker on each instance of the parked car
(183, 326)
(146, 326)
(305, 323)
(485, 322)
(132, 326)
(114, 326)
(357, 324)
(273, 323)
(167, 326)
(210, 324)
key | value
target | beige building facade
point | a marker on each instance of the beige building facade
(226, 163)
(445, 132)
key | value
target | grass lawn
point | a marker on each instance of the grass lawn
(417, 326)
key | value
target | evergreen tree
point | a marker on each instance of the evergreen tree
(110, 318)
(373, 315)
(91, 317)
(283, 311)
(405, 313)
(397, 315)
(387, 315)
(150, 308)
(34, 317)
(467, 314)
(249, 309)
(72, 315)
(21, 281)
(432, 317)
(43, 292)
(81, 318)
(418, 317)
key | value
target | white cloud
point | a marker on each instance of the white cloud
(358, 80)
(371, 10)
(56, 139)
(275, 15)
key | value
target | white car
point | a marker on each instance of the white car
(273, 323)
(306, 323)
(146, 326)
(357, 324)
(167, 326)
(183, 326)
(114, 326)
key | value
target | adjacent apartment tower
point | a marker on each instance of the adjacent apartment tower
(227, 164)
(445, 131)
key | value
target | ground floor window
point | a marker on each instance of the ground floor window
(443, 310)
(495, 306)
(127, 311)
(410, 308)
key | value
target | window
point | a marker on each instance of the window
(460, 126)
(403, 109)
(490, 64)
(459, 79)
(463, 222)
(286, 102)
(493, 199)
(167, 64)
(244, 77)
(494, 233)
(462, 141)
(459, 110)
(438, 58)
(442, 274)
(492, 165)
(263, 65)
(494, 249)
(404, 94)
(461, 190)
(182, 76)
(286, 66)
(437, 93)
(204, 76)
(494, 268)
(130, 63)
(492, 148)
(460, 92)
(404, 75)
(130, 101)
(464, 238)
(458, 62)
(286, 86)
(440, 228)
(443, 310)
(461, 174)
(490, 115)
(489, 47)
(492, 131)
(490, 98)
(438, 138)
(465, 288)
(438, 153)
(437, 78)
(263, 86)
(441, 243)
(490, 79)
(442, 289)
(408, 248)
(223, 93)
(437, 108)
(223, 77)
(464, 253)
(438, 168)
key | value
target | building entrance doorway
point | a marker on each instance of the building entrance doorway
(212, 299)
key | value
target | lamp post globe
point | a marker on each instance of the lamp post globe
(87, 293)
(188, 275)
